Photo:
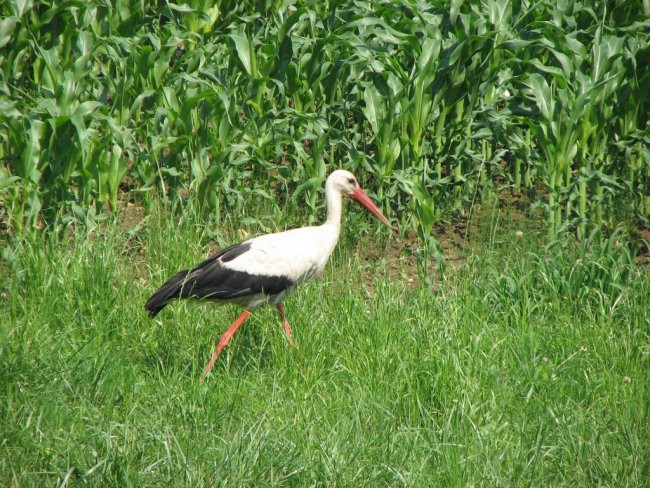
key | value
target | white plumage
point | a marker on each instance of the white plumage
(298, 254)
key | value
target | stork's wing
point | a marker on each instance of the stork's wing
(214, 279)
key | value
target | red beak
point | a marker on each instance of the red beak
(360, 196)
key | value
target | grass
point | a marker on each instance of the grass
(519, 371)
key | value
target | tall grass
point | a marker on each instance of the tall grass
(435, 104)
(528, 367)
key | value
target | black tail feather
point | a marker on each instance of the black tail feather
(171, 290)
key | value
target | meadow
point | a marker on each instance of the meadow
(525, 367)
(499, 337)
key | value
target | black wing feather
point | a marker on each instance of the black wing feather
(211, 280)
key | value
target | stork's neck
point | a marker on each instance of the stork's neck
(334, 204)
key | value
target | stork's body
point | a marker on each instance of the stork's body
(263, 270)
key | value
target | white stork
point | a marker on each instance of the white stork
(264, 269)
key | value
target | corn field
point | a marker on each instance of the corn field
(433, 104)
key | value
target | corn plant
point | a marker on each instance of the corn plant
(214, 103)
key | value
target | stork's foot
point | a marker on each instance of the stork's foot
(287, 330)
(223, 342)
(285, 324)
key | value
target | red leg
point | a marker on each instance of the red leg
(225, 339)
(285, 324)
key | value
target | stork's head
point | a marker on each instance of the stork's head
(345, 183)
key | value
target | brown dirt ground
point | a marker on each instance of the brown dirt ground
(398, 258)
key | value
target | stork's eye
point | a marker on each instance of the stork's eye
(352, 182)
